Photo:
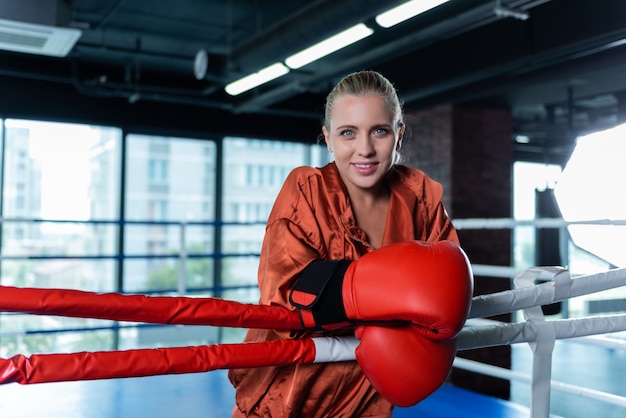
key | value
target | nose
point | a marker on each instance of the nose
(364, 146)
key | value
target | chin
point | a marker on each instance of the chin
(369, 184)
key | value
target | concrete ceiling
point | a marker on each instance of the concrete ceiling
(559, 65)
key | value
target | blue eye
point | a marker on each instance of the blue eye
(381, 131)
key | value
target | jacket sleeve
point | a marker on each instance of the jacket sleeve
(438, 222)
(292, 241)
(285, 253)
(442, 227)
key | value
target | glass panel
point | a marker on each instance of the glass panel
(168, 336)
(254, 171)
(18, 337)
(54, 238)
(170, 199)
(60, 210)
(64, 273)
(66, 173)
(529, 177)
(60, 171)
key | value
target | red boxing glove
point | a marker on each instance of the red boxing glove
(428, 284)
(401, 364)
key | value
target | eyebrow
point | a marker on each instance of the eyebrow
(349, 126)
(340, 127)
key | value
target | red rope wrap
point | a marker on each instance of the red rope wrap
(40, 368)
(178, 310)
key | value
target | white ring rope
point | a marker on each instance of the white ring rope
(545, 293)
(539, 286)
(495, 271)
(504, 333)
(536, 286)
(610, 343)
(501, 372)
(507, 223)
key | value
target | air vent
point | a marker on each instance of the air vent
(37, 39)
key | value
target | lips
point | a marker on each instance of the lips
(365, 168)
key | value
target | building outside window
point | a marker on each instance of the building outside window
(62, 195)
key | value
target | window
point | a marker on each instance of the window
(176, 190)
(62, 225)
(266, 164)
(529, 180)
(157, 170)
(68, 173)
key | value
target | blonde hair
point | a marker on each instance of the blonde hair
(364, 83)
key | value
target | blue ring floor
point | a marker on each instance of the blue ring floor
(200, 395)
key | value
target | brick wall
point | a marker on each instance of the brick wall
(428, 146)
(469, 150)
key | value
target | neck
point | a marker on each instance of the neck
(368, 197)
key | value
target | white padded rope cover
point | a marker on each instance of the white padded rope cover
(329, 349)
(537, 286)
(545, 293)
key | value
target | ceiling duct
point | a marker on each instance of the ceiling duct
(317, 21)
(36, 27)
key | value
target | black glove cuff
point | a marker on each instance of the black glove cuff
(319, 290)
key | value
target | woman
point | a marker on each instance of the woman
(362, 201)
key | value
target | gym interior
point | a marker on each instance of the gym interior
(135, 160)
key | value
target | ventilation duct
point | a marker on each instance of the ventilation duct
(37, 39)
(36, 27)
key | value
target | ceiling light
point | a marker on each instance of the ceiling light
(406, 11)
(329, 45)
(256, 79)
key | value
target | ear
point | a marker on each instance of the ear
(329, 143)
(400, 136)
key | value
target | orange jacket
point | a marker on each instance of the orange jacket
(312, 220)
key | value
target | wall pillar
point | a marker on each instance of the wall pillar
(469, 150)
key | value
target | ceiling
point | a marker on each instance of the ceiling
(559, 65)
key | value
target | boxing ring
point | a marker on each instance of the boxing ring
(533, 287)
(539, 286)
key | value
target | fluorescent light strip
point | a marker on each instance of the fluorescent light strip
(329, 45)
(406, 11)
(256, 79)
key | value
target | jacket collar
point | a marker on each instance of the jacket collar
(403, 200)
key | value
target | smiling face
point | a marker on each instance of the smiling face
(365, 137)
